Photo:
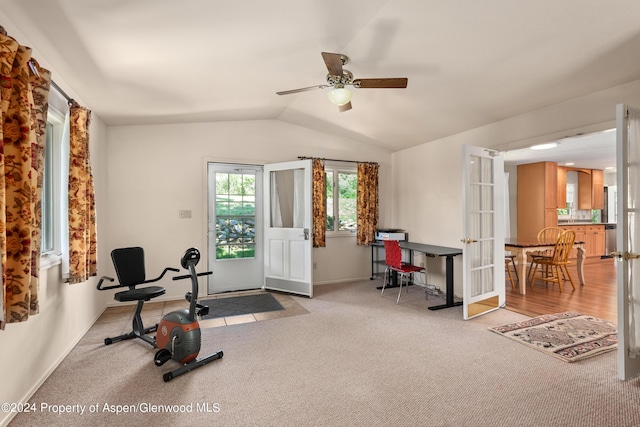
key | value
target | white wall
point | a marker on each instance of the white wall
(427, 179)
(157, 170)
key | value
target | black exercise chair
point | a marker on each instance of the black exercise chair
(129, 265)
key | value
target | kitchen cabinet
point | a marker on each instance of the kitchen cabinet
(562, 187)
(585, 192)
(590, 187)
(537, 198)
(595, 240)
(592, 235)
(597, 189)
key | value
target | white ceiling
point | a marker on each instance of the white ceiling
(593, 151)
(469, 62)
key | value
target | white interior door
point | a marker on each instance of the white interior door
(287, 227)
(234, 227)
(628, 240)
(483, 228)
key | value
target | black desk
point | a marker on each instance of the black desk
(432, 251)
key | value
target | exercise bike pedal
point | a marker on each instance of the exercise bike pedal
(202, 310)
(162, 356)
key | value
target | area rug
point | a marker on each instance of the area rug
(568, 336)
(246, 304)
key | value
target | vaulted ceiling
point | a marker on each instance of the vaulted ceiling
(469, 62)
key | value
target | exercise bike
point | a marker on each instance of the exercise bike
(178, 336)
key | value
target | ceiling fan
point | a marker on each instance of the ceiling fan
(338, 78)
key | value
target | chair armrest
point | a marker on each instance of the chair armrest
(102, 279)
(162, 275)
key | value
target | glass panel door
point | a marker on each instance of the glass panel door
(483, 252)
(234, 231)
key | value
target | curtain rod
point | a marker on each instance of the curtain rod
(34, 70)
(70, 100)
(335, 160)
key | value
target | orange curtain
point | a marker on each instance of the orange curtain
(82, 209)
(24, 91)
(319, 204)
(367, 203)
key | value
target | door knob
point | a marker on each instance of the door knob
(306, 234)
(626, 256)
(468, 240)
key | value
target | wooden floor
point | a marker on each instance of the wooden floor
(596, 298)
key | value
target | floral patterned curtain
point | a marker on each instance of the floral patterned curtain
(367, 204)
(319, 204)
(82, 209)
(24, 89)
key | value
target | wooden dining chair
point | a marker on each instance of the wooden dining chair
(509, 262)
(393, 261)
(555, 267)
(547, 235)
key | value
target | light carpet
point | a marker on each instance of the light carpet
(568, 336)
(354, 359)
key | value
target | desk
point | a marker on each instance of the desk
(433, 251)
(522, 248)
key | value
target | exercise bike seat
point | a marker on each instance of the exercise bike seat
(144, 294)
(130, 269)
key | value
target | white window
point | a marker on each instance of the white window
(53, 189)
(342, 191)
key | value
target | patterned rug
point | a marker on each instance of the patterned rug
(567, 336)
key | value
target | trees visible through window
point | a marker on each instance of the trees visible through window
(235, 215)
(342, 189)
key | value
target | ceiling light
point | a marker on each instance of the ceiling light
(569, 164)
(544, 146)
(340, 96)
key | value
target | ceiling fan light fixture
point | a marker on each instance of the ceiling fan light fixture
(340, 96)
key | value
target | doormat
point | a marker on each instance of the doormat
(568, 336)
(246, 304)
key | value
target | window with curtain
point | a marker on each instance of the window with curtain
(54, 188)
(341, 199)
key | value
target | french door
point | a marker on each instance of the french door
(234, 227)
(628, 240)
(287, 227)
(483, 229)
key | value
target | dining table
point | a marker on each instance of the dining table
(521, 248)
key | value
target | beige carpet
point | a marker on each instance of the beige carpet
(356, 359)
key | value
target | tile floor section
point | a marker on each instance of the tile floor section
(119, 317)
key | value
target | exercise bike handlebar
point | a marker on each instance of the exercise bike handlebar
(119, 285)
(186, 276)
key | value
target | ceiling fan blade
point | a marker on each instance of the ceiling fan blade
(333, 61)
(345, 107)
(304, 89)
(397, 83)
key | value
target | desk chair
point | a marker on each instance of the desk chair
(556, 265)
(393, 261)
(129, 265)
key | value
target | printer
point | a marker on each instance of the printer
(390, 234)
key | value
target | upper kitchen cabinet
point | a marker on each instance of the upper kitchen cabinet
(537, 198)
(562, 187)
(597, 189)
(585, 188)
